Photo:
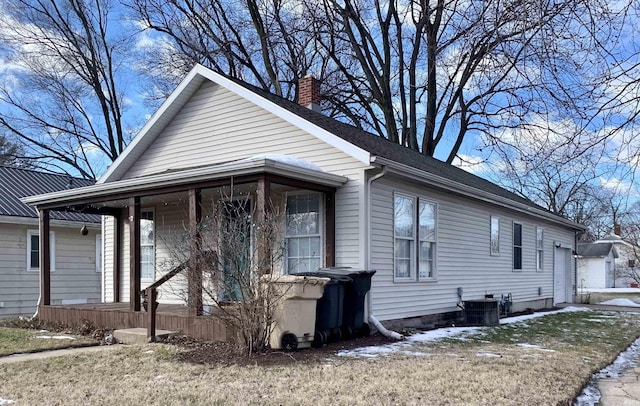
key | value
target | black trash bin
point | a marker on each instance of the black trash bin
(329, 309)
(353, 323)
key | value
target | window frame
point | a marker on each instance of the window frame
(52, 250)
(416, 240)
(492, 252)
(153, 214)
(320, 234)
(98, 252)
(515, 246)
(539, 249)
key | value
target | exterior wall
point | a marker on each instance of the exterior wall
(74, 278)
(591, 272)
(462, 255)
(623, 270)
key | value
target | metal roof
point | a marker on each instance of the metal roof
(16, 183)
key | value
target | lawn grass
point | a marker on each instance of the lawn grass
(17, 340)
(543, 361)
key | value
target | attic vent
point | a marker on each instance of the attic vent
(481, 312)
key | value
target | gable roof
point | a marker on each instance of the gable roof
(16, 183)
(595, 250)
(366, 147)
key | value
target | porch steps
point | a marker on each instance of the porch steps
(138, 335)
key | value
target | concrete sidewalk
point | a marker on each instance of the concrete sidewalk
(10, 359)
(622, 391)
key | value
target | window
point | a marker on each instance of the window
(539, 249)
(632, 263)
(33, 250)
(495, 236)
(98, 252)
(303, 233)
(517, 246)
(147, 245)
(414, 233)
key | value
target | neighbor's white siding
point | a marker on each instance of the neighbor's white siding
(74, 279)
(462, 255)
(592, 272)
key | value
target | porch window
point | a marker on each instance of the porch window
(539, 249)
(517, 246)
(303, 233)
(147, 245)
(33, 250)
(414, 238)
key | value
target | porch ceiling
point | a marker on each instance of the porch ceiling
(152, 184)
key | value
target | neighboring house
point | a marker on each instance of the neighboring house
(626, 262)
(596, 265)
(76, 271)
(426, 227)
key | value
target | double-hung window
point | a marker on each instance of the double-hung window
(539, 249)
(147, 245)
(414, 238)
(304, 232)
(495, 236)
(33, 250)
(517, 246)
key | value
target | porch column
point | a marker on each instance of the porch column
(117, 254)
(134, 254)
(196, 254)
(263, 210)
(330, 229)
(45, 258)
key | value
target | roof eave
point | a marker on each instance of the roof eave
(185, 177)
(465, 190)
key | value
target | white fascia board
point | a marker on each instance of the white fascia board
(229, 170)
(465, 190)
(31, 221)
(188, 87)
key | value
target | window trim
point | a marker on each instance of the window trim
(98, 252)
(493, 253)
(321, 227)
(414, 275)
(153, 212)
(539, 249)
(514, 246)
(52, 250)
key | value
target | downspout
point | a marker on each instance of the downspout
(372, 319)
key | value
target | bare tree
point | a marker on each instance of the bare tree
(11, 154)
(63, 91)
(424, 74)
(238, 249)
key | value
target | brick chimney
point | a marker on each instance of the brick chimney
(309, 93)
(617, 230)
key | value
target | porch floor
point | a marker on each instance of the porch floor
(172, 317)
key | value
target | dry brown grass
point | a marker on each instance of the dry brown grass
(450, 373)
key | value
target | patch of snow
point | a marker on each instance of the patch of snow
(534, 347)
(56, 337)
(610, 290)
(620, 302)
(43, 331)
(148, 352)
(627, 359)
(6, 401)
(518, 319)
(287, 159)
(487, 354)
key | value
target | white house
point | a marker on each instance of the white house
(596, 265)
(426, 227)
(75, 258)
(626, 261)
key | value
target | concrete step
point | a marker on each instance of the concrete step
(138, 335)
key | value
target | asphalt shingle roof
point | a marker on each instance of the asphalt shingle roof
(384, 148)
(16, 183)
(594, 250)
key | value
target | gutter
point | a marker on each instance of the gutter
(469, 191)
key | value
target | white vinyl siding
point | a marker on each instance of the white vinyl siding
(462, 257)
(74, 279)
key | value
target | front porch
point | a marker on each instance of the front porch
(157, 227)
(172, 317)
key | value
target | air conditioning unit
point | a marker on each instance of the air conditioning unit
(483, 312)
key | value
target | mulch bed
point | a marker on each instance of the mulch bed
(220, 353)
